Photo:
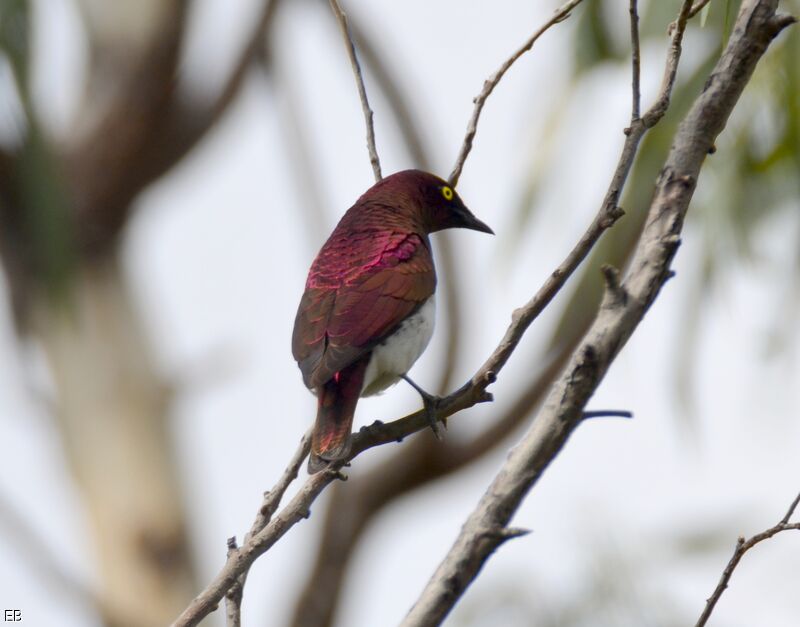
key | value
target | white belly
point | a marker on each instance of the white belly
(397, 353)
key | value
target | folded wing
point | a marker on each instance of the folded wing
(348, 308)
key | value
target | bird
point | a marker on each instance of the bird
(367, 312)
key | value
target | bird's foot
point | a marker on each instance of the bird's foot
(431, 405)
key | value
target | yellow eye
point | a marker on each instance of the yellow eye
(447, 192)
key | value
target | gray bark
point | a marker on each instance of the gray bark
(624, 306)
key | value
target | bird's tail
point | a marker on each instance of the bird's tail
(337, 400)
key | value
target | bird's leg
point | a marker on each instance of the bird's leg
(431, 403)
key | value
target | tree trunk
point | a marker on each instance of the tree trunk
(112, 409)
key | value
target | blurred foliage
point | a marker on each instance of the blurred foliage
(613, 581)
(37, 206)
(14, 30)
(754, 178)
(595, 42)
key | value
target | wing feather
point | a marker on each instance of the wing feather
(342, 315)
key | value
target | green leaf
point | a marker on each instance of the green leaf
(15, 35)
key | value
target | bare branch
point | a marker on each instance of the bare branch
(362, 92)
(403, 470)
(272, 499)
(790, 511)
(233, 597)
(635, 60)
(607, 413)
(639, 126)
(396, 97)
(697, 7)
(621, 311)
(234, 573)
(488, 86)
(742, 547)
(676, 30)
(413, 137)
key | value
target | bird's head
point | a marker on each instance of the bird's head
(434, 201)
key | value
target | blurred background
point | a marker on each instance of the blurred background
(168, 170)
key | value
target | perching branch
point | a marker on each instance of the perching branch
(624, 306)
(488, 86)
(742, 547)
(317, 601)
(272, 499)
(362, 92)
(471, 393)
(423, 460)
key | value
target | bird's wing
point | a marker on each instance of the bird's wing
(338, 321)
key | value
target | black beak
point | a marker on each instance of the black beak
(469, 221)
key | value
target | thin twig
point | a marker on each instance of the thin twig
(697, 7)
(609, 211)
(790, 511)
(742, 547)
(413, 137)
(607, 413)
(272, 499)
(635, 60)
(362, 92)
(676, 30)
(488, 86)
(240, 561)
(398, 98)
(402, 470)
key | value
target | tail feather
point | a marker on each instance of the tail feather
(337, 400)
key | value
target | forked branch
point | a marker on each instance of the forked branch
(742, 547)
(488, 86)
(623, 307)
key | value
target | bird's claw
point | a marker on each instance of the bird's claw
(431, 404)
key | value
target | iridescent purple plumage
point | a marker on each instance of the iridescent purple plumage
(374, 273)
